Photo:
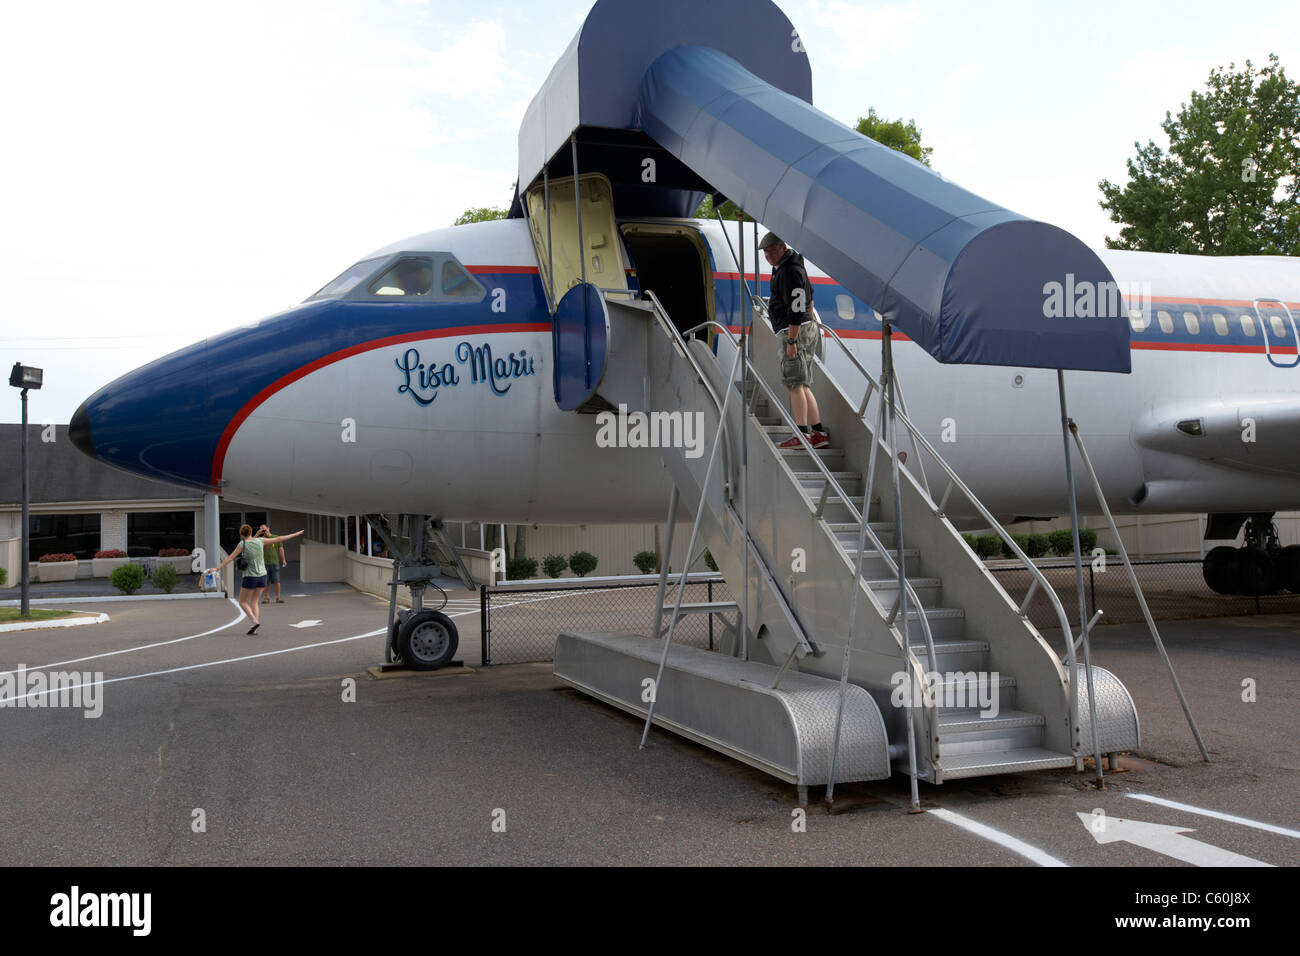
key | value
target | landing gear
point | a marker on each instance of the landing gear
(1261, 566)
(421, 638)
(427, 640)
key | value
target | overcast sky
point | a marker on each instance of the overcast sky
(172, 169)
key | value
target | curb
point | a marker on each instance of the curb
(117, 597)
(58, 622)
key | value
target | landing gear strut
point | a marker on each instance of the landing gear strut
(421, 638)
(1261, 566)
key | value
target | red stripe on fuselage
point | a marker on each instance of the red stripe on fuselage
(219, 459)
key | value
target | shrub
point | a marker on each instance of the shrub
(521, 569)
(173, 553)
(128, 578)
(55, 558)
(554, 565)
(582, 563)
(1036, 546)
(163, 577)
(4, 576)
(110, 553)
(1061, 542)
(646, 561)
(988, 546)
(1087, 539)
(709, 562)
(1022, 542)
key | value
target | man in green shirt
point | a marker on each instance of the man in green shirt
(275, 558)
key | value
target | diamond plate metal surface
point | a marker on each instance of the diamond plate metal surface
(1117, 719)
(864, 744)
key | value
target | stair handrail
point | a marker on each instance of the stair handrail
(920, 439)
(679, 340)
(860, 517)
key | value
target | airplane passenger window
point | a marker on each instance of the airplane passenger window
(844, 307)
(1193, 323)
(1279, 327)
(411, 276)
(1220, 322)
(456, 282)
(1248, 325)
(347, 281)
(1166, 321)
(1138, 319)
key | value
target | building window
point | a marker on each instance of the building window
(148, 532)
(64, 534)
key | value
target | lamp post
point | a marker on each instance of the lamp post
(25, 377)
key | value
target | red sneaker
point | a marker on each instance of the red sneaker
(791, 442)
(819, 439)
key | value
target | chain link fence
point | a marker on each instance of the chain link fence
(1174, 590)
(520, 623)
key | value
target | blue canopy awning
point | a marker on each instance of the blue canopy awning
(968, 280)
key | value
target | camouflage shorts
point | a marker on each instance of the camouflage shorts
(799, 370)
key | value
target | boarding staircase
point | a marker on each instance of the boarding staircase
(787, 527)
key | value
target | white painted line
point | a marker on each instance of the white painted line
(1163, 839)
(188, 596)
(311, 623)
(1218, 815)
(130, 650)
(55, 622)
(191, 667)
(1029, 852)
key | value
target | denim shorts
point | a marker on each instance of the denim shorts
(252, 584)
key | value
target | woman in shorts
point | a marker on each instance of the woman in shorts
(254, 581)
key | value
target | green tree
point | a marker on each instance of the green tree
(480, 214)
(895, 134)
(727, 210)
(1228, 184)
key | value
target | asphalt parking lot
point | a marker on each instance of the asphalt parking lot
(287, 751)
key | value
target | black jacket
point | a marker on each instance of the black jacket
(783, 307)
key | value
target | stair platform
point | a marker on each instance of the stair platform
(731, 706)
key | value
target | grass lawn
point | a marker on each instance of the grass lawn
(10, 614)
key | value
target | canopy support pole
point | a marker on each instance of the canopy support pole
(1083, 609)
(1137, 590)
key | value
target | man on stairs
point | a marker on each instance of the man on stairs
(790, 309)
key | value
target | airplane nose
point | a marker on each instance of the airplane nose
(79, 431)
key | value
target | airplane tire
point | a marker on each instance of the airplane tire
(427, 640)
(1288, 568)
(1219, 569)
(1256, 572)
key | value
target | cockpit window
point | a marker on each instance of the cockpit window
(347, 281)
(456, 282)
(410, 276)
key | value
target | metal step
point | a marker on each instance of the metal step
(946, 623)
(927, 590)
(874, 564)
(988, 763)
(966, 732)
(949, 655)
(814, 481)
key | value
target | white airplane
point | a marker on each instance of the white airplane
(445, 377)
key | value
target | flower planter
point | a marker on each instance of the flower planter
(181, 564)
(103, 567)
(57, 571)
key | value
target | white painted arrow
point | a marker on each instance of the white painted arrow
(305, 624)
(1163, 839)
